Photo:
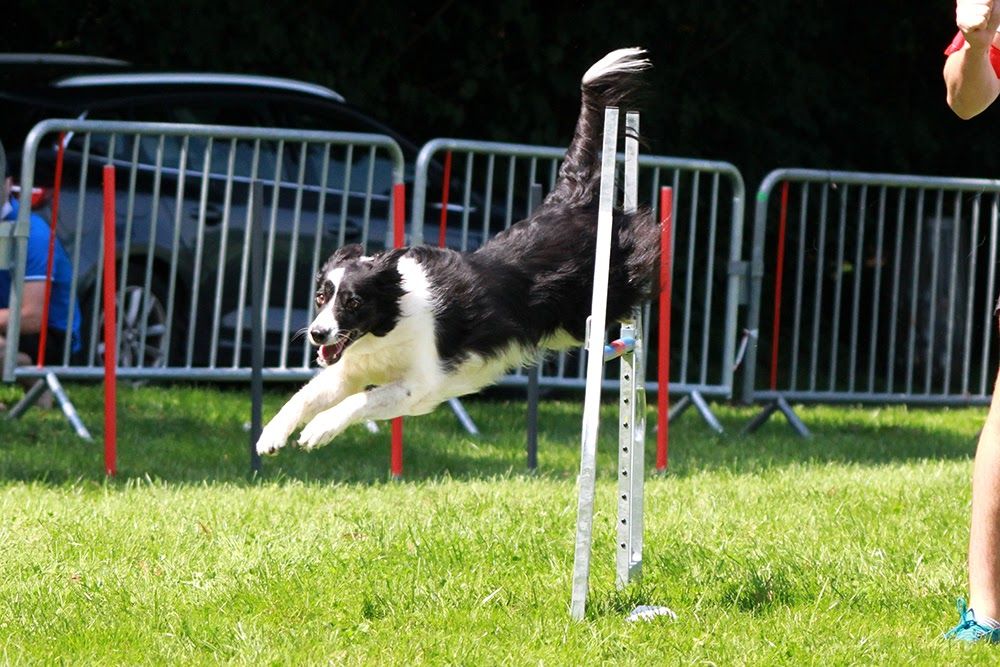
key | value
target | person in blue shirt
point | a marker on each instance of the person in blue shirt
(32, 303)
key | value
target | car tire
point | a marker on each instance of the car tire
(138, 314)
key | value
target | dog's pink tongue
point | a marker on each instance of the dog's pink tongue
(331, 353)
(325, 354)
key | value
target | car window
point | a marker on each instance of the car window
(201, 110)
(218, 109)
(364, 164)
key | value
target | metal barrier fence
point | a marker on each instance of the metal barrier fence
(873, 288)
(863, 287)
(182, 233)
(485, 187)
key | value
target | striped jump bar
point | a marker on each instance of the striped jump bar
(617, 348)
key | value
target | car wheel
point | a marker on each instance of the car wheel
(141, 315)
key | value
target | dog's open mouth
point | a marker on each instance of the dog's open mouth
(329, 354)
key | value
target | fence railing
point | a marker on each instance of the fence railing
(863, 287)
(183, 216)
(873, 288)
(484, 187)
(182, 230)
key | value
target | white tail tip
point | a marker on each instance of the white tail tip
(621, 60)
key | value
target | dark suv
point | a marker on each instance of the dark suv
(36, 87)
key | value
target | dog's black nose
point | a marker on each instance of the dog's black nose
(319, 335)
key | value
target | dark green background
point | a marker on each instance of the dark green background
(839, 85)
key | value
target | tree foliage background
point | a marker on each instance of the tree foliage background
(761, 84)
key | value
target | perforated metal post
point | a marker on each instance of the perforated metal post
(632, 404)
(631, 453)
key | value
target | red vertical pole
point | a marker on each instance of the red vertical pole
(445, 191)
(110, 346)
(778, 278)
(43, 334)
(399, 235)
(663, 367)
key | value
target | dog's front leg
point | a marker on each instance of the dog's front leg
(385, 402)
(326, 389)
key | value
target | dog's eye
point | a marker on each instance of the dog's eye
(352, 303)
(320, 298)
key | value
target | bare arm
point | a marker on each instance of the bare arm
(971, 83)
(970, 80)
(31, 308)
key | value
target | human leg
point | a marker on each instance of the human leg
(984, 534)
(978, 621)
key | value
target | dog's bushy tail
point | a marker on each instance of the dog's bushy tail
(611, 81)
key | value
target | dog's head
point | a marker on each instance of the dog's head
(356, 295)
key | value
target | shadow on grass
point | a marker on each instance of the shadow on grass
(191, 434)
(864, 435)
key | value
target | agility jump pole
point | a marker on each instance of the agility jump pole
(399, 237)
(50, 261)
(595, 364)
(454, 403)
(534, 372)
(110, 344)
(445, 193)
(779, 404)
(618, 348)
(632, 394)
(631, 401)
(663, 329)
(50, 382)
(779, 273)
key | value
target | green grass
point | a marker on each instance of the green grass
(848, 548)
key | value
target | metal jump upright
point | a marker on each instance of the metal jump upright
(628, 348)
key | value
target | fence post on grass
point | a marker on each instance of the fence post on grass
(256, 321)
(110, 344)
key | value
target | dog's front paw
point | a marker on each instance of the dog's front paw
(320, 431)
(271, 440)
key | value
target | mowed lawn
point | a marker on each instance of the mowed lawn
(848, 548)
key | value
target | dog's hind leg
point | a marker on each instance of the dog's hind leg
(385, 402)
(326, 389)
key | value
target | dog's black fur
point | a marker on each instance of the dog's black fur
(427, 324)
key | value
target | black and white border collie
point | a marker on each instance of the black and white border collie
(404, 330)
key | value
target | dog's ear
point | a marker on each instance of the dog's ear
(384, 262)
(382, 271)
(340, 256)
(347, 252)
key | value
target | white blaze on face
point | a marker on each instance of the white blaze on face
(326, 319)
